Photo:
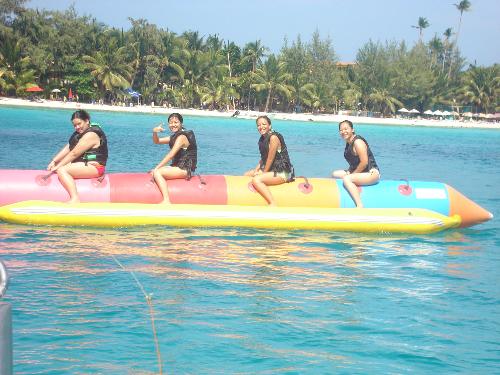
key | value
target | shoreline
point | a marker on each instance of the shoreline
(306, 117)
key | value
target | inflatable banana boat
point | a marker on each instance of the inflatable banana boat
(395, 220)
(198, 201)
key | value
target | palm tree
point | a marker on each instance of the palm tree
(4, 71)
(7, 8)
(422, 24)
(383, 100)
(298, 64)
(175, 51)
(214, 42)
(253, 53)
(437, 50)
(447, 46)
(352, 97)
(273, 77)
(309, 96)
(194, 41)
(199, 67)
(219, 92)
(462, 6)
(15, 72)
(448, 33)
(110, 69)
(481, 87)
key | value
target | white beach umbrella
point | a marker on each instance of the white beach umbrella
(428, 112)
(56, 90)
(438, 113)
(446, 113)
(404, 110)
(414, 111)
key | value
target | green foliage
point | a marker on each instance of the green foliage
(109, 68)
(481, 88)
(63, 50)
(15, 72)
(273, 78)
(80, 79)
(422, 24)
(10, 8)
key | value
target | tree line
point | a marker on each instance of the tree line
(62, 50)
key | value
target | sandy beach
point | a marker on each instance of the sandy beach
(251, 114)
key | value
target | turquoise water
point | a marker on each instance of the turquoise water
(256, 301)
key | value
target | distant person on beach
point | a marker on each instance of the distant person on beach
(84, 156)
(183, 153)
(274, 167)
(363, 169)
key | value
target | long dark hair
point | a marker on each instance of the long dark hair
(80, 114)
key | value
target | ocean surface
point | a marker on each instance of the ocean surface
(244, 301)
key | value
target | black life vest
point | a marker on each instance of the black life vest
(353, 159)
(281, 162)
(185, 158)
(98, 154)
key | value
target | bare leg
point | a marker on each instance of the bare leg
(353, 191)
(261, 183)
(352, 181)
(167, 173)
(340, 173)
(69, 172)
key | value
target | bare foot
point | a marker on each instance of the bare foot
(165, 201)
(73, 201)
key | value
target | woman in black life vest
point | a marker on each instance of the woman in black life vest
(84, 156)
(183, 153)
(363, 169)
(274, 167)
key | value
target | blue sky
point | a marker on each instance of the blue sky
(348, 23)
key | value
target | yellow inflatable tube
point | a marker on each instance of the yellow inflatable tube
(375, 220)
